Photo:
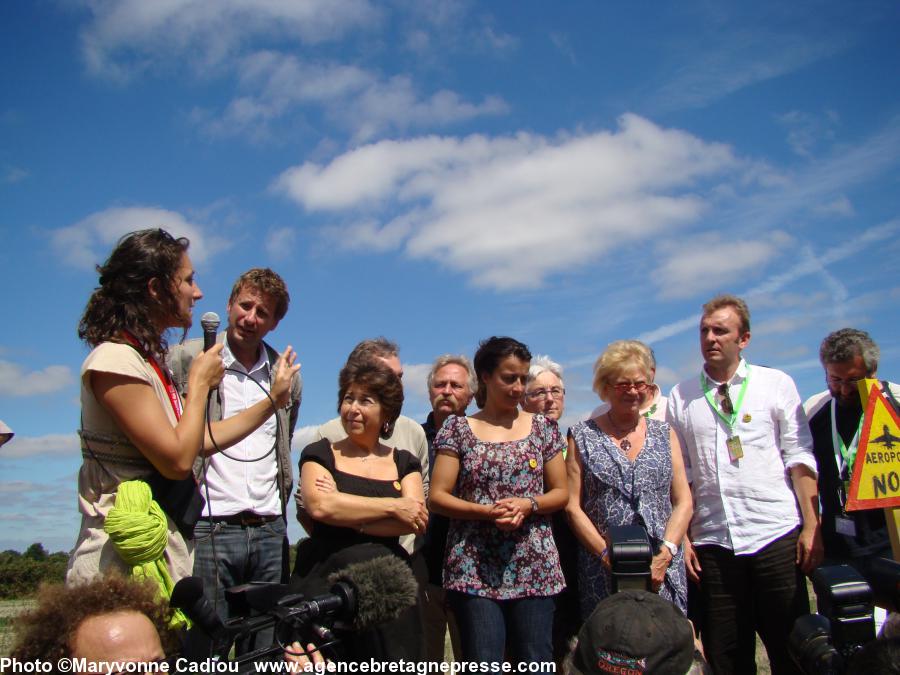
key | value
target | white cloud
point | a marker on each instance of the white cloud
(130, 36)
(16, 381)
(51, 444)
(275, 85)
(807, 264)
(818, 182)
(435, 28)
(810, 263)
(670, 330)
(15, 174)
(783, 325)
(562, 43)
(796, 302)
(415, 390)
(732, 60)
(807, 131)
(90, 240)
(508, 211)
(840, 206)
(713, 262)
(666, 377)
(281, 243)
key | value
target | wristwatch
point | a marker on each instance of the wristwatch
(673, 549)
(534, 504)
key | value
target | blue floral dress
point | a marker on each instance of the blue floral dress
(481, 559)
(616, 491)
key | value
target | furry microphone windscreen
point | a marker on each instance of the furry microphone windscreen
(384, 586)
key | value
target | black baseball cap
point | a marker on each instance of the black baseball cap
(633, 632)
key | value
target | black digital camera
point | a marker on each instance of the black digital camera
(630, 554)
(824, 643)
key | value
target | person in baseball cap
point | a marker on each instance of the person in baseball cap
(633, 632)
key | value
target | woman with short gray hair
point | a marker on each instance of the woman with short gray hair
(545, 392)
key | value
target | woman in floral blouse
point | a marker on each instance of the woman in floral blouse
(498, 475)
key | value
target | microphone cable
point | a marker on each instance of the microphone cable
(205, 466)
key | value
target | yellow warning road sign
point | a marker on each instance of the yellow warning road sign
(876, 472)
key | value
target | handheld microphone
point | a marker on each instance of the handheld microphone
(210, 323)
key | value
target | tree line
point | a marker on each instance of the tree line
(22, 573)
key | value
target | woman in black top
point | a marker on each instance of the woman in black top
(360, 491)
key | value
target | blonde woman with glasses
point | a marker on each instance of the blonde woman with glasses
(627, 469)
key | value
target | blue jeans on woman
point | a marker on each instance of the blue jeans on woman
(486, 626)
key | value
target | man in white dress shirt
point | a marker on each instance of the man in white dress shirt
(748, 454)
(242, 534)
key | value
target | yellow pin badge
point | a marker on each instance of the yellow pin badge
(746, 418)
(532, 463)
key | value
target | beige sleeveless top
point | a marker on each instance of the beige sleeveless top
(115, 459)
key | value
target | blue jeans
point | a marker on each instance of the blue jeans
(229, 555)
(486, 625)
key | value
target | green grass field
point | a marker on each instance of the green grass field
(9, 610)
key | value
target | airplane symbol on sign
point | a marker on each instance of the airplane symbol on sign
(887, 439)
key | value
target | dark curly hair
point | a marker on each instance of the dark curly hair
(47, 632)
(123, 301)
(381, 382)
(265, 281)
(489, 355)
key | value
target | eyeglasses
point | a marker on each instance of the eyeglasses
(542, 394)
(837, 382)
(639, 387)
(727, 405)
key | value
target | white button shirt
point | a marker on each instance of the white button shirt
(744, 504)
(236, 486)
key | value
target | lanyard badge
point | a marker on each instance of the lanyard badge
(844, 455)
(728, 412)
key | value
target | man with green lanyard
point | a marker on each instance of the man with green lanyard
(748, 455)
(835, 418)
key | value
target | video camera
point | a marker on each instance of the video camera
(364, 594)
(824, 643)
(630, 554)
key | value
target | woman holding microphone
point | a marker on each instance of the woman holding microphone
(134, 425)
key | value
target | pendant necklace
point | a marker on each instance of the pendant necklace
(625, 444)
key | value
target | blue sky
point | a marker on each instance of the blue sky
(567, 173)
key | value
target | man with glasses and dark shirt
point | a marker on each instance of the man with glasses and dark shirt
(748, 455)
(835, 420)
